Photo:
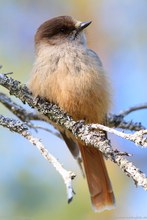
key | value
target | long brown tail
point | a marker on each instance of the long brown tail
(99, 184)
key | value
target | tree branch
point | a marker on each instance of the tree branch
(17, 110)
(112, 120)
(24, 115)
(139, 137)
(132, 109)
(117, 121)
(84, 133)
(21, 128)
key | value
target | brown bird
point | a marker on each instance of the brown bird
(71, 75)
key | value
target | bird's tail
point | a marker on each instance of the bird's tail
(99, 184)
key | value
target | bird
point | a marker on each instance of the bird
(69, 74)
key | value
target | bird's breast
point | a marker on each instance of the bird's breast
(73, 80)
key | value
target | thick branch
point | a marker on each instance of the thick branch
(112, 120)
(24, 115)
(50, 110)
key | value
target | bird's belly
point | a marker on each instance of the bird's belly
(82, 98)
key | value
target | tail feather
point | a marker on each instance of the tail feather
(99, 184)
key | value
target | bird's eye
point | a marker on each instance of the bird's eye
(63, 30)
(66, 30)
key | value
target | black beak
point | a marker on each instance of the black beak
(83, 25)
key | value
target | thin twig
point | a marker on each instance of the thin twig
(8, 73)
(57, 134)
(132, 109)
(139, 137)
(117, 121)
(18, 110)
(21, 128)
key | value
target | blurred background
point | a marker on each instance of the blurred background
(30, 188)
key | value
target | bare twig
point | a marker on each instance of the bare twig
(117, 121)
(57, 134)
(132, 109)
(8, 73)
(21, 128)
(127, 167)
(18, 110)
(139, 137)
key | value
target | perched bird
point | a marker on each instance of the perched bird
(69, 74)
